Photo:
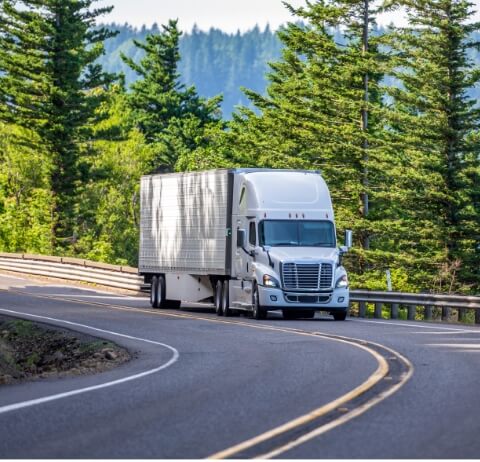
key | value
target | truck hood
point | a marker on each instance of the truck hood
(303, 253)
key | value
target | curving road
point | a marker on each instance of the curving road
(202, 386)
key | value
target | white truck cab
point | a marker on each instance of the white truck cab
(255, 240)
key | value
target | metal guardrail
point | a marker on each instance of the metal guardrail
(73, 269)
(418, 306)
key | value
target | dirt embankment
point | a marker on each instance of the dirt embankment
(30, 351)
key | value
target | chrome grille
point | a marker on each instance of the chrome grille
(307, 276)
(326, 276)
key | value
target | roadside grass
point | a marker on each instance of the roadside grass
(30, 350)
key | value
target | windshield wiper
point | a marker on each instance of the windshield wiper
(280, 244)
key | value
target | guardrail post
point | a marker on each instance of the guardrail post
(412, 311)
(428, 312)
(362, 309)
(462, 315)
(446, 313)
(377, 314)
(394, 314)
(477, 316)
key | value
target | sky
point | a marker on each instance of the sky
(228, 15)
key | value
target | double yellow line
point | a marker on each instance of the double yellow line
(381, 373)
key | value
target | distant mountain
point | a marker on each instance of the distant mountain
(215, 62)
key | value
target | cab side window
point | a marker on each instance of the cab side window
(252, 234)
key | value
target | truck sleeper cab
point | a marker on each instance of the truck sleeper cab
(253, 240)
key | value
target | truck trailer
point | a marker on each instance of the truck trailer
(253, 240)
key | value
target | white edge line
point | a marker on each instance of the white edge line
(401, 324)
(46, 399)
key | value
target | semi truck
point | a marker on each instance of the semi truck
(251, 240)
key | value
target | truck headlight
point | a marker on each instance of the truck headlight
(270, 281)
(342, 282)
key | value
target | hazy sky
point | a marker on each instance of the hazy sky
(228, 15)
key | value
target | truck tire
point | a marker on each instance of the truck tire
(173, 304)
(307, 314)
(340, 316)
(257, 312)
(289, 314)
(227, 312)
(219, 298)
(154, 292)
(161, 291)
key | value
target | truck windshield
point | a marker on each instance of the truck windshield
(295, 233)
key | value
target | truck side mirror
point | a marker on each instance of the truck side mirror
(241, 238)
(348, 238)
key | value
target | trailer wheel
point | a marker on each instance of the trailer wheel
(258, 312)
(226, 300)
(219, 298)
(161, 292)
(154, 292)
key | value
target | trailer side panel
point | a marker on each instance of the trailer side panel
(184, 225)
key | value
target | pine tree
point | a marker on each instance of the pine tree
(439, 124)
(48, 50)
(311, 117)
(168, 113)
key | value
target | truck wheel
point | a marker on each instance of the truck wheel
(289, 314)
(173, 304)
(161, 291)
(341, 316)
(219, 298)
(258, 312)
(154, 292)
(226, 300)
(307, 314)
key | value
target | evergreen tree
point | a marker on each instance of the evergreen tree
(311, 117)
(108, 214)
(168, 113)
(48, 50)
(438, 125)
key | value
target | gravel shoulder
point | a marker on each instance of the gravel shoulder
(33, 351)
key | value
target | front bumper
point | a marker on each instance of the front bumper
(276, 299)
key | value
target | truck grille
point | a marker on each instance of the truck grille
(307, 276)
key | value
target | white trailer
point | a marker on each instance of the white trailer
(255, 240)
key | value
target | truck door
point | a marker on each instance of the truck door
(244, 258)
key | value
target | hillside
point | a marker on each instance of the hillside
(215, 62)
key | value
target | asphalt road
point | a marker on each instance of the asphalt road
(203, 386)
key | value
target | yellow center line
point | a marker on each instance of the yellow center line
(381, 372)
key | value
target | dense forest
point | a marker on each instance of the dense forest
(215, 62)
(220, 63)
(402, 161)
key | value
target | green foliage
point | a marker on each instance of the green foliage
(26, 205)
(171, 116)
(437, 125)
(214, 62)
(109, 201)
(48, 50)
(73, 145)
